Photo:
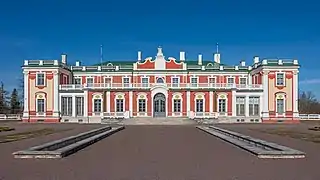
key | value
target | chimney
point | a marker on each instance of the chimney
(78, 63)
(256, 59)
(182, 56)
(243, 63)
(217, 58)
(139, 55)
(200, 59)
(64, 58)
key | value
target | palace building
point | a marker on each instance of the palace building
(264, 91)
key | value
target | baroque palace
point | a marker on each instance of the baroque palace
(264, 91)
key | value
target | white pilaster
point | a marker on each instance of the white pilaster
(247, 106)
(188, 103)
(56, 100)
(295, 94)
(234, 113)
(25, 95)
(73, 106)
(265, 83)
(130, 103)
(211, 101)
(85, 103)
(108, 101)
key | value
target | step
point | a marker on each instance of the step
(69, 145)
(258, 147)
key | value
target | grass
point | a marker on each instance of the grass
(29, 134)
(6, 128)
(312, 137)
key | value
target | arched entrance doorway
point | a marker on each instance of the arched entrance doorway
(159, 105)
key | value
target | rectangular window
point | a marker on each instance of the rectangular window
(40, 79)
(177, 105)
(97, 105)
(240, 106)
(254, 106)
(119, 105)
(142, 105)
(175, 82)
(243, 81)
(194, 82)
(280, 79)
(199, 105)
(90, 82)
(212, 81)
(79, 106)
(280, 106)
(222, 105)
(40, 106)
(126, 82)
(77, 80)
(66, 106)
(145, 82)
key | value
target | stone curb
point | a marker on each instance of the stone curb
(260, 148)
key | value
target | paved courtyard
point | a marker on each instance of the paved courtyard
(162, 153)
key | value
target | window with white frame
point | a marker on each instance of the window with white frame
(280, 79)
(40, 106)
(194, 81)
(97, 105)
(119, 105)
(222, 105)
(240, 106)
(230, 81)
(175, 81)
(77, 80)
(280, 106)
(66, 106)
(90, 81)
(254, 106)
(142, 105)
(126, 81)
(145, 81)
(177, 105)
(40, 79)
(199, 105)
(242, 81)
(160, 80)
(79, 106)
(212, 81)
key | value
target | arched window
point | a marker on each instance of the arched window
(160, 80)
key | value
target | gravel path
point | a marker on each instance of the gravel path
(159, 153)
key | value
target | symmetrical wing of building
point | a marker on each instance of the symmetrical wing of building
(265, 91)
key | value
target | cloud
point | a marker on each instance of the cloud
(310, 81)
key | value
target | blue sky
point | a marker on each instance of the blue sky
(44, 29)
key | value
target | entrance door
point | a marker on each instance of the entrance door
(159, 105)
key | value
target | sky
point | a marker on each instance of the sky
(37, 29)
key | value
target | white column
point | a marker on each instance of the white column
(295, 94)
(85, 104)
(73, 106)
(188, 103)
(234, 113)
(56, 100)
(211, 101)
(25, 95)
(265, 84)
(247, 106)
(108, 101)
(130, 103)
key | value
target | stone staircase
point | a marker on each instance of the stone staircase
(158, 121)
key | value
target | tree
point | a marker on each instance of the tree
(14, 102)
(3, 99)
(308, 104)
